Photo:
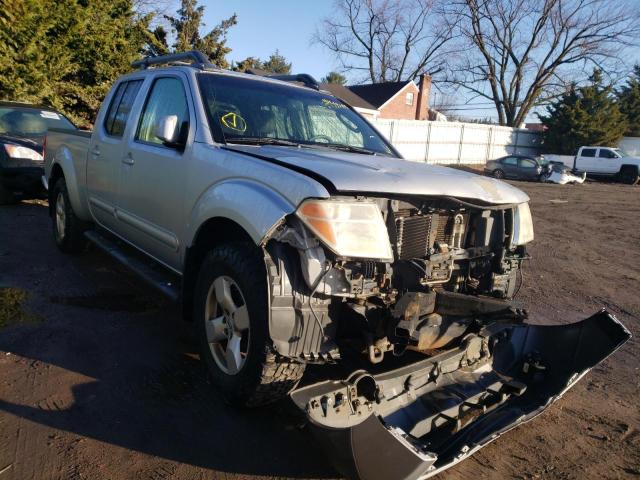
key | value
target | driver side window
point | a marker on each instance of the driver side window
(167, 97)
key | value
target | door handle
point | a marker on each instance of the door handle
(128, 159)
(95, 152)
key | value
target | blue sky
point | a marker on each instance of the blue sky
(286, 25)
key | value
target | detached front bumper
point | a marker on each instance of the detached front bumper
(417, 420)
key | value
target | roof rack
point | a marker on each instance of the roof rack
(304, 78)
(197, 58)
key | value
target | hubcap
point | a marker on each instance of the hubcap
(61, 216)
(227, 325)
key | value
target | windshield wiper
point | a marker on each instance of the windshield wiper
(263, 141)
(346, 148)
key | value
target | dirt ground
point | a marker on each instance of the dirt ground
(99, 380)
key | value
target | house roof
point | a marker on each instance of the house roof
(346, 95)
(377, 94)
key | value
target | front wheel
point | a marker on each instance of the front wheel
(498, 174)
(232, 314)
(628, 175)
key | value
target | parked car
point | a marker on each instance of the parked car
(608, 162)
(294, 234)
(22, 132)
(518, 167)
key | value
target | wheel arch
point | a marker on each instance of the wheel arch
(63, 166)
(214, 231)
(630, 166)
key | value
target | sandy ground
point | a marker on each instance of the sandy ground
(99, 379)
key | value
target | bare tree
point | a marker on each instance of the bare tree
(390, 40)
(522, 53)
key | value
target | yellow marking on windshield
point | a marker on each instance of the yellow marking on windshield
(233, 121)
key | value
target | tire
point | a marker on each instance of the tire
(628, 175)
(497, 173)
(231, 315)
(68, 229)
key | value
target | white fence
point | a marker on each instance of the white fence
(452, 142)
(630, 145)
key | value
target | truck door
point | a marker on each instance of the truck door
(607, 162)
(105, 153)
(587, 159)
(152, 174)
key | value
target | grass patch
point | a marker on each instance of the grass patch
(11, 311)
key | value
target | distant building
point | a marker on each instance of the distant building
(398, 100)
(535, 127)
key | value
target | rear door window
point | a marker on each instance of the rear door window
(116, 120)
(512, 161)
(588, 152)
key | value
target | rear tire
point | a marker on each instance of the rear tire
(231, 315)
(68, 229)
(628, 175)
(497, 173)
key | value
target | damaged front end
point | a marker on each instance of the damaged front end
(419, 419)
(407, 302)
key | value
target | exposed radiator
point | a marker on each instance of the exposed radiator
(416, 234)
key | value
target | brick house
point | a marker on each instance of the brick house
(359, 104)
(397, 100)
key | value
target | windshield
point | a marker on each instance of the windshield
(242, 110)
(621, 152)
(30, 123)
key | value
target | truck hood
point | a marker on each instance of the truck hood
(358, 173)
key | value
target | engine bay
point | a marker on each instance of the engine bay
(454, 266)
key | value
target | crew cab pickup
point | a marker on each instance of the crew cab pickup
(294, 234)
(608, 162)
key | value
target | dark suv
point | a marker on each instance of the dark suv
(23, 128)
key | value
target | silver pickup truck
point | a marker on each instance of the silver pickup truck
(294, 234)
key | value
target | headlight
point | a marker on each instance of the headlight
(16, 151)
(522, 225)
(348, 228)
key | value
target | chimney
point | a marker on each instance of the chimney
(424, 91)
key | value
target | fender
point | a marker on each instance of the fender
(249, 203)
(75, 185)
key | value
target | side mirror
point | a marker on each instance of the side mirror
(167, 130)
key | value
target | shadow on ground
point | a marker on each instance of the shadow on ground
(128, 376)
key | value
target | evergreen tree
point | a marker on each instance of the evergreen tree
(629, 103)
(67, 53)
(187, 26)
(583, 116)
(276, 63)
(335, 77)
(246, 64)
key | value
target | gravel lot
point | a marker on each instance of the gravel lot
(98, 379)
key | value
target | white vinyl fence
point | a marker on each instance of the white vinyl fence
(630, 145)
(456, 143)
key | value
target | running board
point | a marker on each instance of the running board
(137, 262)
